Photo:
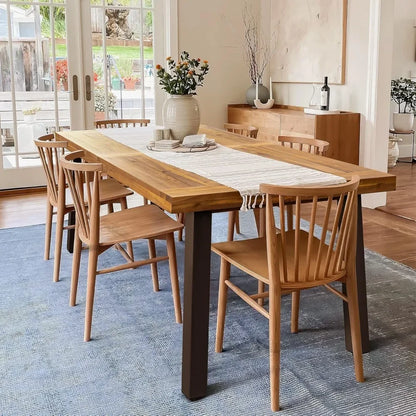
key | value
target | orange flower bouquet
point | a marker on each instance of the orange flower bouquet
(184, 77)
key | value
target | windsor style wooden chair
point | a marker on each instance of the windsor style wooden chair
(128, 122)
(296, 259)
(59, 198)
(305, 144)
(99, 233)
(242, 129)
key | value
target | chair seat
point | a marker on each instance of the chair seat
(255, 264)
(110, 191)
(147, 221)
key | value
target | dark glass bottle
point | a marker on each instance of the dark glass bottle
(325, 91)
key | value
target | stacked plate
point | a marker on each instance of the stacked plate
(166, 144)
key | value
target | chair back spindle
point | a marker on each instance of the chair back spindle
(50, 152)
(83, 181)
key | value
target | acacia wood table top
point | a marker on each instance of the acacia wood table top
(177, 190)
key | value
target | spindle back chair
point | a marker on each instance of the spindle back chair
(119, 123)
(314, 253)
(59, 199)
(100, 233)
(242, 129)
(305, 144)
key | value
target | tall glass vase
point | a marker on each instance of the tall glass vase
(180, 114)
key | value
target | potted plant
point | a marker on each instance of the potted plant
(62, 73)
(130, 82)
(29, 114)
(180, 111)
(101, 103)
(117, 84)
(61, 68)
(403, 93)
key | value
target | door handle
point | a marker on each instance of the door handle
(88, 87)
(75, 87)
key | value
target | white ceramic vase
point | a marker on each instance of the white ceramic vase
(29, 118)
(394, 152)
(180, 114)
(403, 121)
(264, 94)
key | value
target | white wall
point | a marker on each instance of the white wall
(213, 30)
(404, 45)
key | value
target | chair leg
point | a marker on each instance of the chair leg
(92, 270)
(76, 258)
(274, 346)
(260, 218)
(58, 244)
(355, 327)
(110, 207)
(48, 229)
(237, 222)
(153, 266)
(260, 290)
(181, 218)
(222, 303)
(123, 203)
(231, 222)
(173, 269)
(294, 324)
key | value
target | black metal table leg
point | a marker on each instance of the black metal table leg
(196, 304)
(71, 232)
(362, 289)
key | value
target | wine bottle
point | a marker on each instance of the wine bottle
(325, 90)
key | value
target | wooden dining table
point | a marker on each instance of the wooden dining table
(176, 190)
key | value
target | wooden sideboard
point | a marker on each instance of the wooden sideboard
(342, 131)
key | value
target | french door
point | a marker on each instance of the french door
(65, 63)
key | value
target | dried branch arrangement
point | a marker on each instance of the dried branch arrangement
(258, 51)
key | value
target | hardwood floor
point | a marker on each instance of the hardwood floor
(389, 230)
(402, 202)
(18, 209)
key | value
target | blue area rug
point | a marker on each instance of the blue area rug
(132, 366)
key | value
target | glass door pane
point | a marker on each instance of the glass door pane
(48, 52)
(123, 58)
(33, 85)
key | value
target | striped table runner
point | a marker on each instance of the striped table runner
(241, 171)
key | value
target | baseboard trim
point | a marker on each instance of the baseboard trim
(22, 191)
